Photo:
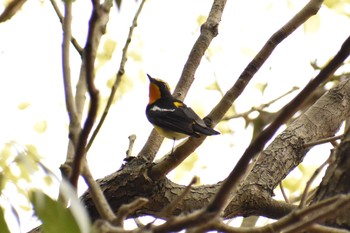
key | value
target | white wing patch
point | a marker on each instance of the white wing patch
(156, 108)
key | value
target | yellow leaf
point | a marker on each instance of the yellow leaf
(108, 48)
(40, 127)
(110, 82)
(48, 180)
(23, 105)
(312, 25)
(201, 19)
(136, 56)
(6, 152)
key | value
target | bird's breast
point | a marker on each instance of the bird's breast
(170, 134)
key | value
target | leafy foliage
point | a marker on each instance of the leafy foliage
(20, 168)
(55, 217)
(3, 225)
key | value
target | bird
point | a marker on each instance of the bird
(171, 117)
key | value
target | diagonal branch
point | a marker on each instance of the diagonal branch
(99, 199)
(230, 185)
(182, 152)
(11, 9)
(296, 221)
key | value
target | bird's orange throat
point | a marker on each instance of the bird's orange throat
(154, 93)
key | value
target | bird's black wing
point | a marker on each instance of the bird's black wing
(199, 125)
(180, 119)
(173, 118)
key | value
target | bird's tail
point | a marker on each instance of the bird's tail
(204, 130)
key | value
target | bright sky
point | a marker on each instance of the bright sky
(32, 86)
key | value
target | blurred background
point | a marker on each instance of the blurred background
(34, 120)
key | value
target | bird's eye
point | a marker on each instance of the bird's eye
(166, 86)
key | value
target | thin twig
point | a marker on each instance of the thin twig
(105, 226)
(261, 107)
(132, 139)
(74, 106)
(183, 222)
(118, 76)
(311, 180)
(74, 122)
(66, 24)
(316, 228)
(97, 195)
(97, 27)
(284, 193)
(125, 210)
(60, 17)
(138, 222)
(324, 140)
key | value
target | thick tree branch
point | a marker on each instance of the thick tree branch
(255, 194)
(336, 181)
(296, 221)
(322, 120)
(230, 185)
(181, 153)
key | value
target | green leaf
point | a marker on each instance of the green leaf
(55, 217)
(3, 225)
(76, 207)
(2, 183)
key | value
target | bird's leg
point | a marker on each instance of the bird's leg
(172, 149)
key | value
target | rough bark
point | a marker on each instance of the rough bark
(337, 181)
(322, 119)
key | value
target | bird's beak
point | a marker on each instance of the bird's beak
(150, 78)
